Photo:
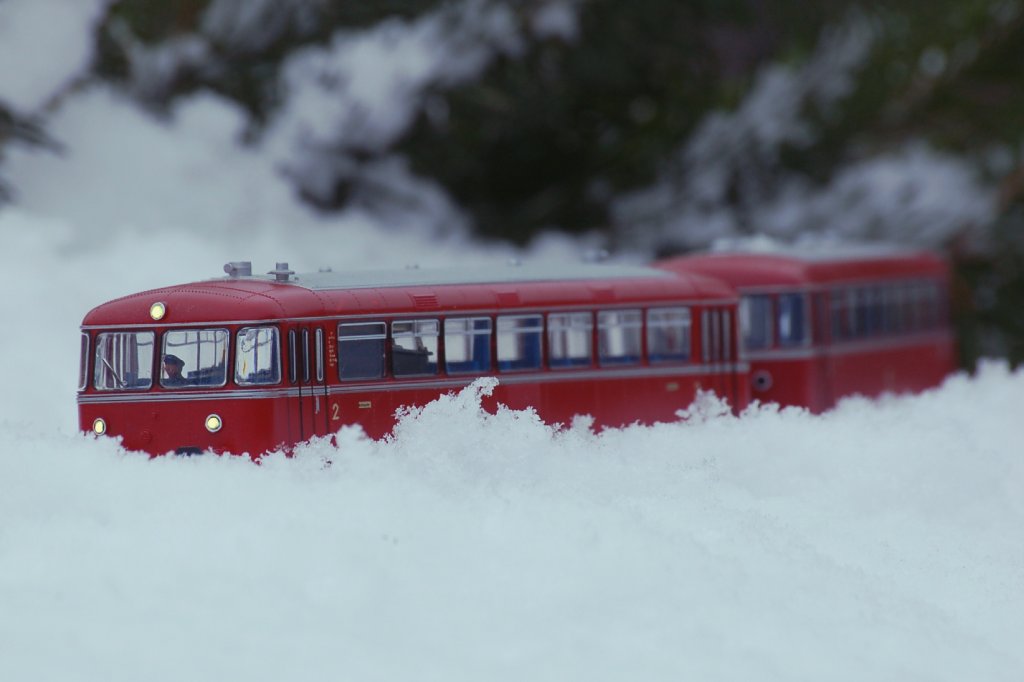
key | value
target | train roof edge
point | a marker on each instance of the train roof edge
(809, 264)
(282, 293)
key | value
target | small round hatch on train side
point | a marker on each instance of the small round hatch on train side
(762, 380)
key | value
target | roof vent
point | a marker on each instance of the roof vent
(241, 268)
(425, 301)
(281, 273)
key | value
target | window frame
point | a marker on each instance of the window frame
(839, 320)
(307, 374)
(97, 363)
(788, 340)
(471, 332)
(637, 325)
(293, 362)
(415, 326)
(83, 362)
(652, 326)
(276, 355)
(164, 351)
(931, 304)
(318, 342)
(382, 337)
(566, 323)
(746, 314)
(537, 329)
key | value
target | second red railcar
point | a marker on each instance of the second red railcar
(822, 324)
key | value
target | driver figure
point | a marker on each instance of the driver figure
(172, 369)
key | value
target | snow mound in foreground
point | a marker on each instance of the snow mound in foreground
(878, 541)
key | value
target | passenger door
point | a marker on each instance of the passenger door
(309, 412)
(718, 351)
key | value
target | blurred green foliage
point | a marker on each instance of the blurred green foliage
(238, 70)
(25, 130)
(549, 138)
(988, 307)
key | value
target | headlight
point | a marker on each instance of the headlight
(213, 423)
(158, 310)
(99, 426)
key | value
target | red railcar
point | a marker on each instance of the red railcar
(252, 363)
(820, 325)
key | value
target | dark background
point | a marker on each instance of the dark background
(551, 138)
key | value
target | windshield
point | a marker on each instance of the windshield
(194, 357)
(124, 360)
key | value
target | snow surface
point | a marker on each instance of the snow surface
(878, 542)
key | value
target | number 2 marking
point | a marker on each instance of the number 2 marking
(335, 412)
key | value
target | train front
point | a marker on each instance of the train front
(187, 369)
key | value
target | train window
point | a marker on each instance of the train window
(292, 360)
(726, 335)
(756, 321)
(414, 347)
(519, 342)
(570, 336)
(876, 315)
(83, 363)
(200, 355)
(837, 309)
(618, 336)
(855, 313)
(124, 360)
(905, 301)
(705, 335)
(361, 350)
(792, 319)
(467, 345)
(890, 309)
(916, 306)
(869, 310)
(929, 303)
(862, 306)
(668, 334)
(710, 336)
(258, 356)
(305, 356)
(319, 343)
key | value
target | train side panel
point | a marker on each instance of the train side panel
(166, 423)
(873, 369)
(793, 380)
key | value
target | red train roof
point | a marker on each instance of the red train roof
(249, 298)
(810, 267)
